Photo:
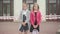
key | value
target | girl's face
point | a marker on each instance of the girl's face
(35, 7)
(24, 6)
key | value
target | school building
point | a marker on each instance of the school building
(10, 9)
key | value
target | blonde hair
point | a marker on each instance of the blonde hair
(25, 4)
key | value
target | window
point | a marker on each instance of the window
(0, 7)
(58, 10)
(30, 3)
(53, 10)
(6, 7)
(52, 7)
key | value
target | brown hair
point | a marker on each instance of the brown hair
(37, 6)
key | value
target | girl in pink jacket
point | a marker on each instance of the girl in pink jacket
(35, 18)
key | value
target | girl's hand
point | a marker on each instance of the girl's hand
(34, 26)
(24, 24)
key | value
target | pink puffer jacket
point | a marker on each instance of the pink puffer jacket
(32, 17)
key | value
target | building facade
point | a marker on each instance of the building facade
(10, 9)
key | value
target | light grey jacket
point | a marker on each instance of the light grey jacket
(27, 16)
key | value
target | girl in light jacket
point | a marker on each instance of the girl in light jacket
(24, 19)
(35, 18)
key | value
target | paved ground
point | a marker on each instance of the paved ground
(12, 28)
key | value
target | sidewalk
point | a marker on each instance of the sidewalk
(12, 28)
